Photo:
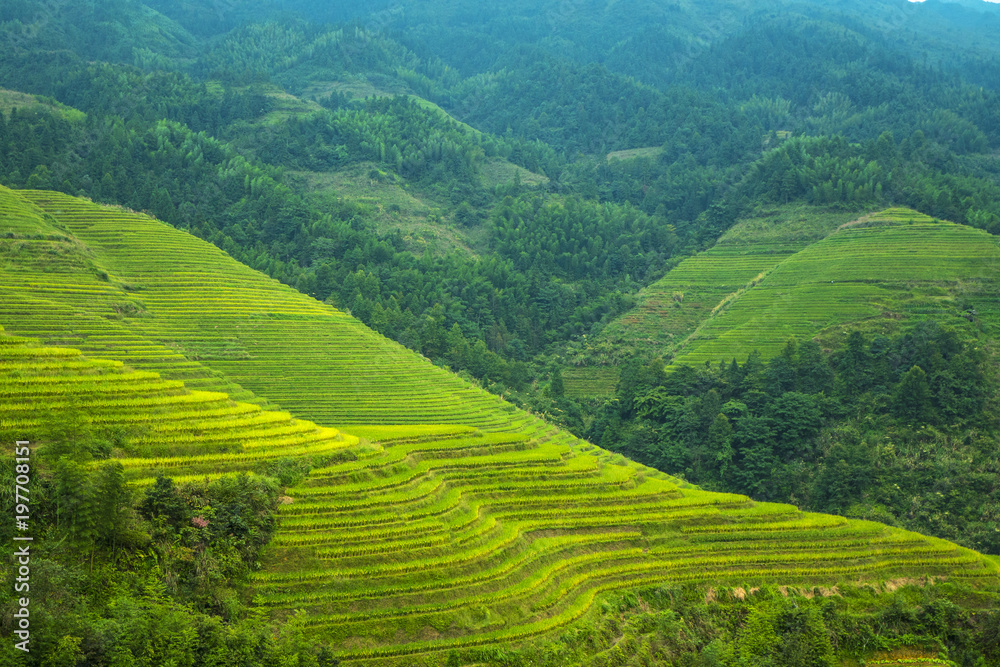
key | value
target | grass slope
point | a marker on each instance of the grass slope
(34, 104)
(894, 264)
(392, 205)
(800, 272)
(473, 525)
(672, 308)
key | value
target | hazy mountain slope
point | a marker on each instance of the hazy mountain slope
(116, 30)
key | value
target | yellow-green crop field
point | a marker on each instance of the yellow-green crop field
(799, 271)
(894, 264)
(437, 517)
(672, 308)
(175, 430)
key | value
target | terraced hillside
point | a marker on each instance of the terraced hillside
(166, 427)
(672, 308)
(443, 518)
(896, 263)
(424, 545)
(163, 300)
(800, 271)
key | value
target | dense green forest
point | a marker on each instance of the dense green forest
(893, 428)
(558, 158)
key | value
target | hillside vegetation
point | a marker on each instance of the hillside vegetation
(855, 375)
(441, 195)
(801, 272)
(896, 263)
(669, 311)
(325, 295)
(483, 527)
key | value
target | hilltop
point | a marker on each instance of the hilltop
(435, 505)
(803, 272)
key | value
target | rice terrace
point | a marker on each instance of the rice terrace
(440, 518)
(797, 272)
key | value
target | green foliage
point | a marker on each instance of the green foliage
(912, 399)
(828, 171)
(76, 501)
(418, 143)
(837, 432)
(729, 112)
(164, 500)
(577, 241)
(114, 503)
(765, 626)
(232, 513)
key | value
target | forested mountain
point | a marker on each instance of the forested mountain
(585, 207)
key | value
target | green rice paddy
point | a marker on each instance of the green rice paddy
(438, 517)
(801, 272)
(672, 308)
(893, 264)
